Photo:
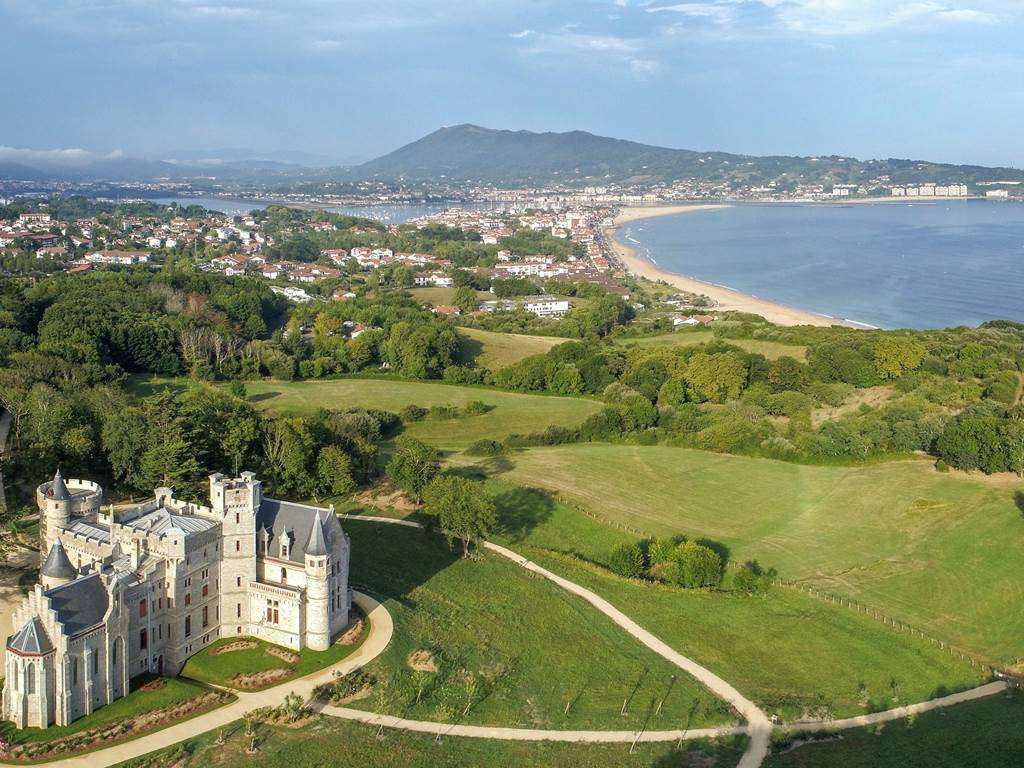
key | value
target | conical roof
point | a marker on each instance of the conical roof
(317, 544)
(57, 564)
(58, 490)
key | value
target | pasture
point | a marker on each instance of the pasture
(938, 551)
(488, 349)
(687, 338)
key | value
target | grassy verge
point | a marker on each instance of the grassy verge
(792, 654)
(988, 733)
(516, 649)
(328, 742)
(936, 551)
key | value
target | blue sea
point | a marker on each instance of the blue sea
(892, 265)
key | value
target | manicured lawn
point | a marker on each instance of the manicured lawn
(137, 702)
(511, 412)
(219, 669)
(329, 742)
(940, 552)
(988, 733)
(686, 338)
(487, 349)
(531, 649)
(786, 651)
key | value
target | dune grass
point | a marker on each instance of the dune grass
(940, 552)
(988, 733)
(488, 349)
(537, 657)
(325, 741)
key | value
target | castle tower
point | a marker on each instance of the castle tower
(54, 502)
(236, 502)
(318, 618)
(57, 568)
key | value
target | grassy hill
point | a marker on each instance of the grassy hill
(488, 349)
(940, 552)
(770, 349)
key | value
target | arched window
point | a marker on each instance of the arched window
(113, 654)
(30, 686)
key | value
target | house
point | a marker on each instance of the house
(436, 279)
(117, 257)
(546, 306)
(447, 310)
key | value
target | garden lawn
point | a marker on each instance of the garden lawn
(938, 551)
(770, 349)
(219, 669)
(988, 733)
(537, 657)
(512, 412)
(790, 653)
(328, 742)
(137, 702)
(489, 349)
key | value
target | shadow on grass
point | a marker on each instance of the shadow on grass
(1018, 498)
(520, 510)
(469, 350)
(260, 397)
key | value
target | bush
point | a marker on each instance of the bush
(412, 413)
(444, 412)
(460, 374)
(628, 560)
(477, 408)
(752, 579)
(485, 448)
(941, 465)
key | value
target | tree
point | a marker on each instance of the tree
(413, 465)
(702, 566)
(334, 472)
(718, 377)
(465, 299)
(895, 355)
(462, 508)
(787, 373)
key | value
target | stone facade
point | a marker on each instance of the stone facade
(142, 589)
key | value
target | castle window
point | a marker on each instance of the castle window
(95, 662)
(284, 549)
(272, 612)
(188, 626)
(142, 609)
(206, 589)
(238, 546)
(113, 654)
(188, 599)
(143, 639)
(31, 671)
(170, 602)
(206, 616)
(238, 611)
(238, 518)
(238, 581)
(284, 575)
(74, 671)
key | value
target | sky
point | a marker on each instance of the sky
(342, 80)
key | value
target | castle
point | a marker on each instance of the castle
(142, 589)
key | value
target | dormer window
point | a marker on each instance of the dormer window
(284, 550)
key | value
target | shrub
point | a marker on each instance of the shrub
(412, 413)
(485, 448)
(751, 578)
(941, 465)
(628, 560)
(443, 412)
(477, 407)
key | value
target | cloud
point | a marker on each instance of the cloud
(523, 34)
(566, 44)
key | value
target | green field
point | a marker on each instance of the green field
(488, 349)
(437, 296)
(940, 552)
(786, 651)
(539, 657)
(327, 742)
(512, 412)
(988, 733)
(219, 669)
(687, 338)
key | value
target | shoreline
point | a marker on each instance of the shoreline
(727, 299)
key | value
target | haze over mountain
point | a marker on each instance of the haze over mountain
(472, 153)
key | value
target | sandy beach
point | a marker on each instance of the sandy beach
(726, 298)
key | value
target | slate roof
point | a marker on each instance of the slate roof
(31, 638)
(298, 520)
(89, 530)
(58, 490)
(163, 522)
(316, 544)
(81, 603)
(57, 565)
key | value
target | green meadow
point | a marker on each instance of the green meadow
(687, 338)
(489, 349)
(938, 551)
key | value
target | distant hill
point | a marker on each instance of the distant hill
(471, 153)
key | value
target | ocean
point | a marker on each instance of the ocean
(893, 265)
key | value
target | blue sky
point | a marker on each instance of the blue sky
(936, 79)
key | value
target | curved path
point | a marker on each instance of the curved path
(381, 630)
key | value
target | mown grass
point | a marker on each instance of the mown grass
(940, 552)
(137, 702)
(988, 733)
(539, 658)
(220, 669)
(792, 654)
(511, 412)
(488, 349)
(687, 338)
(329, 742)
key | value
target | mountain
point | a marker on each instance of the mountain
(471, 153)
